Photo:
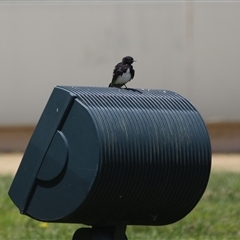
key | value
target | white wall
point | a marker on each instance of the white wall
(189, 48)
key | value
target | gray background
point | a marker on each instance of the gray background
(189, 47)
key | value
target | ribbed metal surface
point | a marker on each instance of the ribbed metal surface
(155, 157)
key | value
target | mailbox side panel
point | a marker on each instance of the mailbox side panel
(49, 122)
(66, 139)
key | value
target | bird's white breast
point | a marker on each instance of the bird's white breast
(124, 78)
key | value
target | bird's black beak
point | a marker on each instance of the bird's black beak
(134, 60)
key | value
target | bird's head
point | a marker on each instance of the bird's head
(128, 60)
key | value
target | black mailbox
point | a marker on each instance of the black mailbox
(109, 156)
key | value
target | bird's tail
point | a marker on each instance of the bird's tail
(110, 85)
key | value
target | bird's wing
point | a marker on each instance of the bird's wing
(132, 71)
(119, 69)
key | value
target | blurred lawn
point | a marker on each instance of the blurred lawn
(217, 216)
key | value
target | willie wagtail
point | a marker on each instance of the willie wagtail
(123, 73)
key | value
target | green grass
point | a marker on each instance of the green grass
(217, 216)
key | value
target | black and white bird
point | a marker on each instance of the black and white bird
(123, 73)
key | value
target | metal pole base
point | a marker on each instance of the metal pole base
(116, 232)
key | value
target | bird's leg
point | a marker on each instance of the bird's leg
(125, 85)
(134, 90)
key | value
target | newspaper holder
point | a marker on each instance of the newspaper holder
(110, 157)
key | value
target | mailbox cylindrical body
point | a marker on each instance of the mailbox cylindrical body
(109, 156)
